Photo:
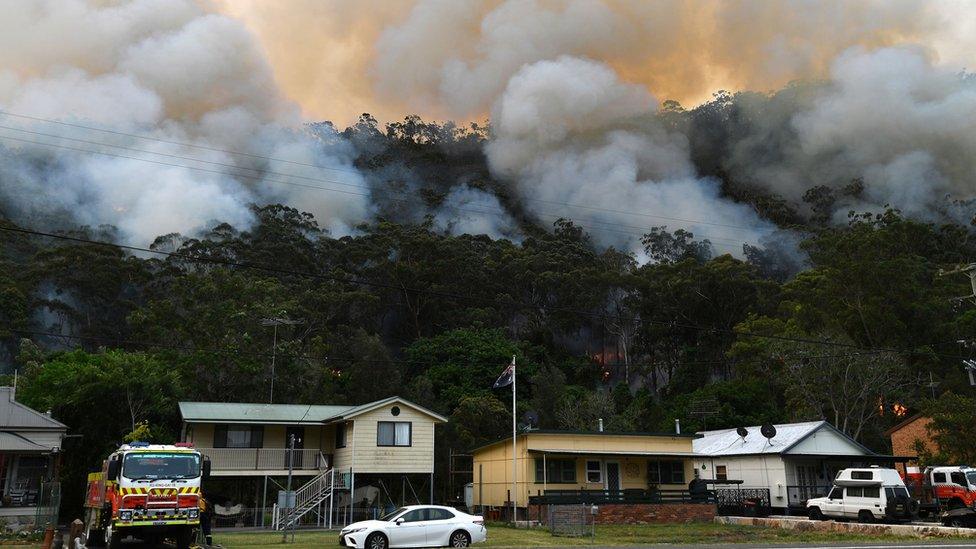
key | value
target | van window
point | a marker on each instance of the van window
(872, 492)
(890, 494)
(854, 492)
(862, 475)
(836, 493)
(939, 477)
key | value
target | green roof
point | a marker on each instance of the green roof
(237, 412)
(242, 412)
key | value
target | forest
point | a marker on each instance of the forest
(858, 322)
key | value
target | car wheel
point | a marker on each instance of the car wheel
(954, 523)
(376, 540)
(460, 539)
(814, 514)
(865, 517)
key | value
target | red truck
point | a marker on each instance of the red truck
(943, 488)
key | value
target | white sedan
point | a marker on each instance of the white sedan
(416, 526)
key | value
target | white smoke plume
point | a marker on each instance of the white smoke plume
(172, 71)
(575, 138)
(467, 210)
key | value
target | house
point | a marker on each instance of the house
(798, 463)
(905, 435)
(348, 453)
(581, 467)
(30, 442)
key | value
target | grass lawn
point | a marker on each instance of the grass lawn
(504, 536)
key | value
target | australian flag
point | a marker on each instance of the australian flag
(507, 376)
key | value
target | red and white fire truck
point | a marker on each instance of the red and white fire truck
(943, 488)
(149, 491)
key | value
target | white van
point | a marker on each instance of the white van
(867, 494)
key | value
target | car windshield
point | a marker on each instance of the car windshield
(390, 516)
(160, 465)
(971, 477)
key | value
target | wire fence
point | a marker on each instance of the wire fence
(572, 520)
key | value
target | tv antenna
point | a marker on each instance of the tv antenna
(742, 432)
(703, 408)
(768, 430)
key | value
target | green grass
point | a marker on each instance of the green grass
(504, 536)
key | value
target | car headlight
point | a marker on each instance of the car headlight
(353, 531)
(193, 513)
(125, 515)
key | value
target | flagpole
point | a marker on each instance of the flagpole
(514, 451)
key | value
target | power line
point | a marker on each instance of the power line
(470, 298)
(347, 170)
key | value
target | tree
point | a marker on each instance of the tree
(953, 417)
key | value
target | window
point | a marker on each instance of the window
(416, 515)
(340, 435)
(439, 514)
(958, 478)
(854, 492)
(594, 472)
(393, 433)
(836, 493)
(665, 472)
(238, 436)
(721, 472)
(939, 477)
(862, 475)
(557, 471)
(872, 492)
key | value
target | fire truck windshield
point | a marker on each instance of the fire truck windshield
(971, 477)
(160, 465)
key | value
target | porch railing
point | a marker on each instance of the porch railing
(797, 495)
(597, 497)
(263, 459)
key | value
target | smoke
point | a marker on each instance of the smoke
(467, 210)
(892, 119)
(571, 134)
(195, 83)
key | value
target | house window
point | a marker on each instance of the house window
(594, 472)
(238, 436)
(340, 435)
(665, 472)
(557, 471)
(393, 433)
(721, 472)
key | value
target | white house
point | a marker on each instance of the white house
(796, 464)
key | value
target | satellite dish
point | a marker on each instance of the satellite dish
(768, 430)
(742, 431)
(530, 419)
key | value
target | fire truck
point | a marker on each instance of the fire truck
(148, 491)
(943, 488)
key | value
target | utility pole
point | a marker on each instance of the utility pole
(289, 502)
(274, 346)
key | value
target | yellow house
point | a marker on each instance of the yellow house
(549, 462)
(354, 453)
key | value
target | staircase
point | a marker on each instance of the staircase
(308, 497)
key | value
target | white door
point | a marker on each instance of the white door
(411, 531)
(440, 524)
(835, 502)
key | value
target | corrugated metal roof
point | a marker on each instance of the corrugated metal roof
(727, 442)
(14, 415)
(13, 442)
(242, 412)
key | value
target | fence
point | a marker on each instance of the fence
(753, 502)
(572, 520)
(596, 497)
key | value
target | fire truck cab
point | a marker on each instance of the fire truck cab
(149, 491)
(945, 487)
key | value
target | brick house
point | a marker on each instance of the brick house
(905, 435)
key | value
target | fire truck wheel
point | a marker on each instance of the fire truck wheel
(956, 503)
(184, 538)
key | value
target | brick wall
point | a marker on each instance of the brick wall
(642, 513)
(903, 439)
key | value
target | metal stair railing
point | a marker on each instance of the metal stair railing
(309, 496)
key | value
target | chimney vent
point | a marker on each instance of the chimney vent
(599, 425)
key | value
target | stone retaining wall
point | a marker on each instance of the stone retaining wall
(804, 525)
